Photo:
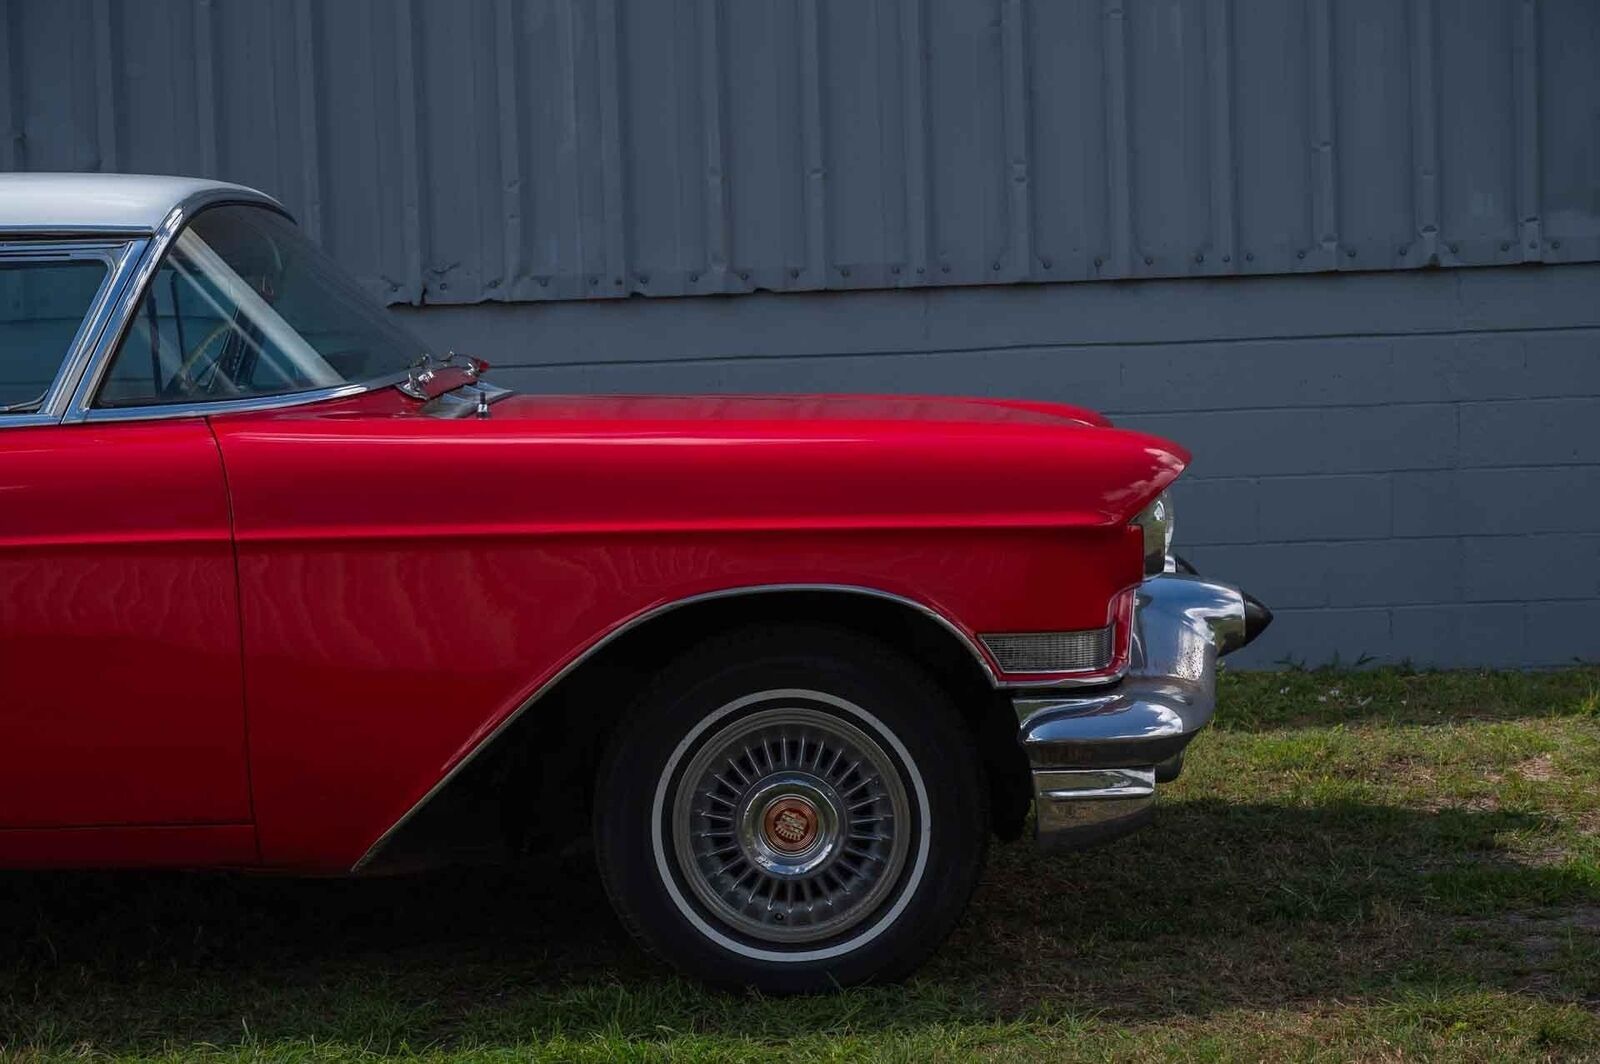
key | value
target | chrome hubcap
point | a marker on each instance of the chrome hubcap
(791, 825)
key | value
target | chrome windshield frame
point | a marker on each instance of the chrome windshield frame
(141, 270)
(81, 406)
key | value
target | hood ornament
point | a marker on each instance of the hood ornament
(454, 398)
(421, 373)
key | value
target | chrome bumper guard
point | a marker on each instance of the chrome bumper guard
(1097, 755)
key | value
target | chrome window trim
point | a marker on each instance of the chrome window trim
(19, 421)
(55, 247)
(72, 232)
(159, 411)
(120, 258)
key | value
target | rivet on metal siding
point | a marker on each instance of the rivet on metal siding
(693, 277)
(1555, 243)
(1227, 258)
(1532, 246)
(945, 267)
(1098, 260)
(1046, 263)
(495, 283)
(544, 282)
(644, 278)
(1350, 252)
(844, 271)
(443, 285)
(1299, 254)
(1455, 249)
(744, 275)
(1149, 260)
(996, 266)
(794, 271)
(895, 270)
(1198, 257)
(1249, 256)
(1403, 252)
(617, 281)
(594, 280)
(1505, 245)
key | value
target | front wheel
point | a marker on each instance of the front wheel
(791, 809)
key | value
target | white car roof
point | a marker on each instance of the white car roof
(72, 203)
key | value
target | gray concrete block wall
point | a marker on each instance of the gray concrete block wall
(1406, 466)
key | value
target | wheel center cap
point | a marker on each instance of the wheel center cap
(790, 825)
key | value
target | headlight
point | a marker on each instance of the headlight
(1155, 521)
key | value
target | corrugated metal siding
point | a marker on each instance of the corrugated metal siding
(517, 150)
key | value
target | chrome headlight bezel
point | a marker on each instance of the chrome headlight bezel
(1156, 522)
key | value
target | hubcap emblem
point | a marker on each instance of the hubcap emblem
(790, 825)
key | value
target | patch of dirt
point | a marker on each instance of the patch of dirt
(1539, 769)
(1482, 803)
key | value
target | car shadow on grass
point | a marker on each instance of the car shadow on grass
(1214, 906)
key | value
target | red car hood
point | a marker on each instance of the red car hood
(592, 463)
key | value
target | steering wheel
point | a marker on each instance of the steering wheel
(185, 382)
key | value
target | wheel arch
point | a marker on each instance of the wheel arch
(551, 742)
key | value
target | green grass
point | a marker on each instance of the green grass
(1381, 865)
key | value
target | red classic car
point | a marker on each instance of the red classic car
(282, 589)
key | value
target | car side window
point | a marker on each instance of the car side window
(43, 303)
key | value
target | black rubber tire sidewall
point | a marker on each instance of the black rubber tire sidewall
(871, 676)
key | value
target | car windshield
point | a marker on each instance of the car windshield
(244, 305)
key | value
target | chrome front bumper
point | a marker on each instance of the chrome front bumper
(1097, 755)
